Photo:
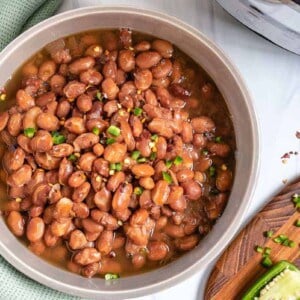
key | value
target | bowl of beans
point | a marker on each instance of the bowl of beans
(129, 152)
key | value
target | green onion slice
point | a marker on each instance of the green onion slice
(167, 177)
(57, 138)
(29, 132)
(114, 130)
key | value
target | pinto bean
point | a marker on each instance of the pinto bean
(15, 222)
(86, 161)
(91, 226)
(115, 153)
(192, 189)
(174, 231)
(136, 125)
(121, 198)
(24, 100)
(46, 70)
(40, 194)
(184, 175)
(75, 125)
(87, 256)
(30, 117)
(109, 88)
(20, 177)
(147, 183)
(157, 250)
(162, 69)
(35, 229)
(41, 142)
(142, 79)
(90, 270)
(224, 180)
(61, 150)
(98, 149)
(76, 179)
(187, 132)
(115, 180)
(81, 210)
(24, 142)
(164, 48)
(46, 161)
(63, 109)
(147, 59)
(102, 199)
(60, 227)
(91, 77)
(81, 192)
(138, 261)
(126, 60)
(94, 51)
(105, 242)
(85, 141)
(73, 89)
(81, 64)
(4, 116)
(84, 103)
(65, 171)
(187, 243)
(14, 160)
(161, 147)
(203, 124)
(110, 70)
(199, 140)
(160, 193)
(77, 240)
(14, 124)
(143, 144)
(50, 239)
(45, 99)
(142, 46)
(176, 199)
(127, 135)
(142, 170)
(101, 167)
(57, 83)
(222, 150)
(161, 127)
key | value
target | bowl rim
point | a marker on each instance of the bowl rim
(234, 226)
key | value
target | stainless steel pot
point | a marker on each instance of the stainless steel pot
(238, 100)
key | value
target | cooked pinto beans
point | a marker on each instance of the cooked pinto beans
(118, 153)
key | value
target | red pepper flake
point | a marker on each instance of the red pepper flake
(298, 134)
(286, 155)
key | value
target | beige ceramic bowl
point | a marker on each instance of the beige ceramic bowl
(231, 85)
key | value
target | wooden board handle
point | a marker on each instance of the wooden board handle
(239, 266)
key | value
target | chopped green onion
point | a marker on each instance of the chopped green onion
(72, 157)
(141, 160)
(138, 190)
(137, 111)
(178, 160)
(112, 166)
(110, 141)
(268, 233)
(135, 154)
(283, 237)
(291, 244)
(57, 138)
(205, 152)
(259, 249)
(277, 240)
(296, 200)
(218, 139)
(267, 251)
(212, 171)
(99, 96)
(266, 262)
(297, 223)
(285, 243)
(169, 164)
(153, 156)
(96, 131)
(167, 177)
(118, 167)
(111, 276)
(29, 132)
(154, 137)
(114, 130)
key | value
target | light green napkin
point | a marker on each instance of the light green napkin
(18, 15)
(15, 17)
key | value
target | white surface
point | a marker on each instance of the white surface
(273, 77)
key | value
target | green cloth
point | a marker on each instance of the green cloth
(18, 15)
(15, 17)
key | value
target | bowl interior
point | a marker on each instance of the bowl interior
(236, 96)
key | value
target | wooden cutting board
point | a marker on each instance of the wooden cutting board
(239, 266)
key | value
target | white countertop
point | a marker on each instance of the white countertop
(272, 75)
